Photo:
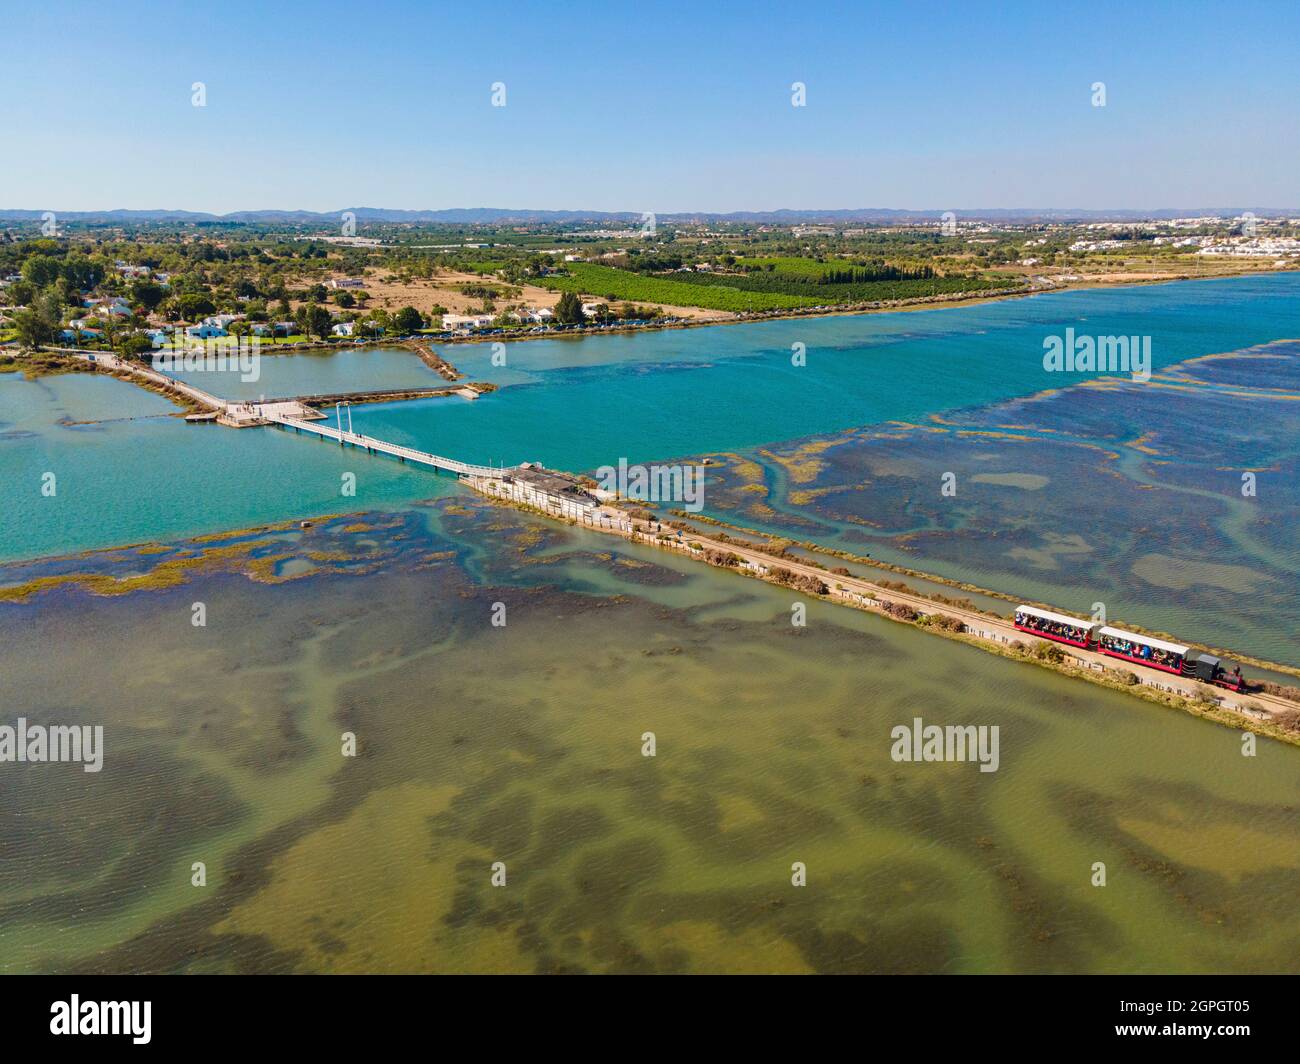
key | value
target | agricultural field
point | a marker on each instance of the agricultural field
(606, 282)
(852, 292)
(777, 284)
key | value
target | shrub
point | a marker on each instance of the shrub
(900, 610)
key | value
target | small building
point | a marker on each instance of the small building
(222, 321)
(453, 322)
(344, 328)
(75, 334)
(347, 282)
(559, 494)
(205, 331)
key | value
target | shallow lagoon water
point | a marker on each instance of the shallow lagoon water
(1174, 504)
(318, 372)
(523, 744)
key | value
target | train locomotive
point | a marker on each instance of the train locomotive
(1144, 650)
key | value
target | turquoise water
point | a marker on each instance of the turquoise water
(481, 742)
(155, 476)
(574, 404)
(580, 404)
(279, 376)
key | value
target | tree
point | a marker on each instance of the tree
(407, 320)
(41, 270)
(192, 306)
(21, 293)
(133, 344)
(148, 294)
(568, 311)
(317, 320)
(33, 330)
(85, 273)
(40, 324)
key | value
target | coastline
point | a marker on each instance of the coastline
(962, 623)
(422, 344)
(811, 569)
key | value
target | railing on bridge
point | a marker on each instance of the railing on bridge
(371, 443)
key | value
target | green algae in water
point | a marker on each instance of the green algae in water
(523, 745)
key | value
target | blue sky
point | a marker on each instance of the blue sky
(658, 106)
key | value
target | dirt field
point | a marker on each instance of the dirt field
(444, 290)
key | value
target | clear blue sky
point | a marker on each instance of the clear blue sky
(658, 106)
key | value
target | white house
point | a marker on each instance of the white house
(344, 328)
(221, 321)
(347, 282)
(117, 307)
(452, 322)
(204, 331)
(274, 328)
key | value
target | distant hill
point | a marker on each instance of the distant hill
(491, 215)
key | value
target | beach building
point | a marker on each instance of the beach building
(454, 322)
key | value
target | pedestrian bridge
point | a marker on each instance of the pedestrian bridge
(377, 446)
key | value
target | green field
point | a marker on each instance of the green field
(859, 292)
(793, 283)
(605, 282)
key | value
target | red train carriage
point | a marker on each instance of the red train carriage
(1058, 626)
(1142, 649)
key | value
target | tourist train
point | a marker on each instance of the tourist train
(1130, 646)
